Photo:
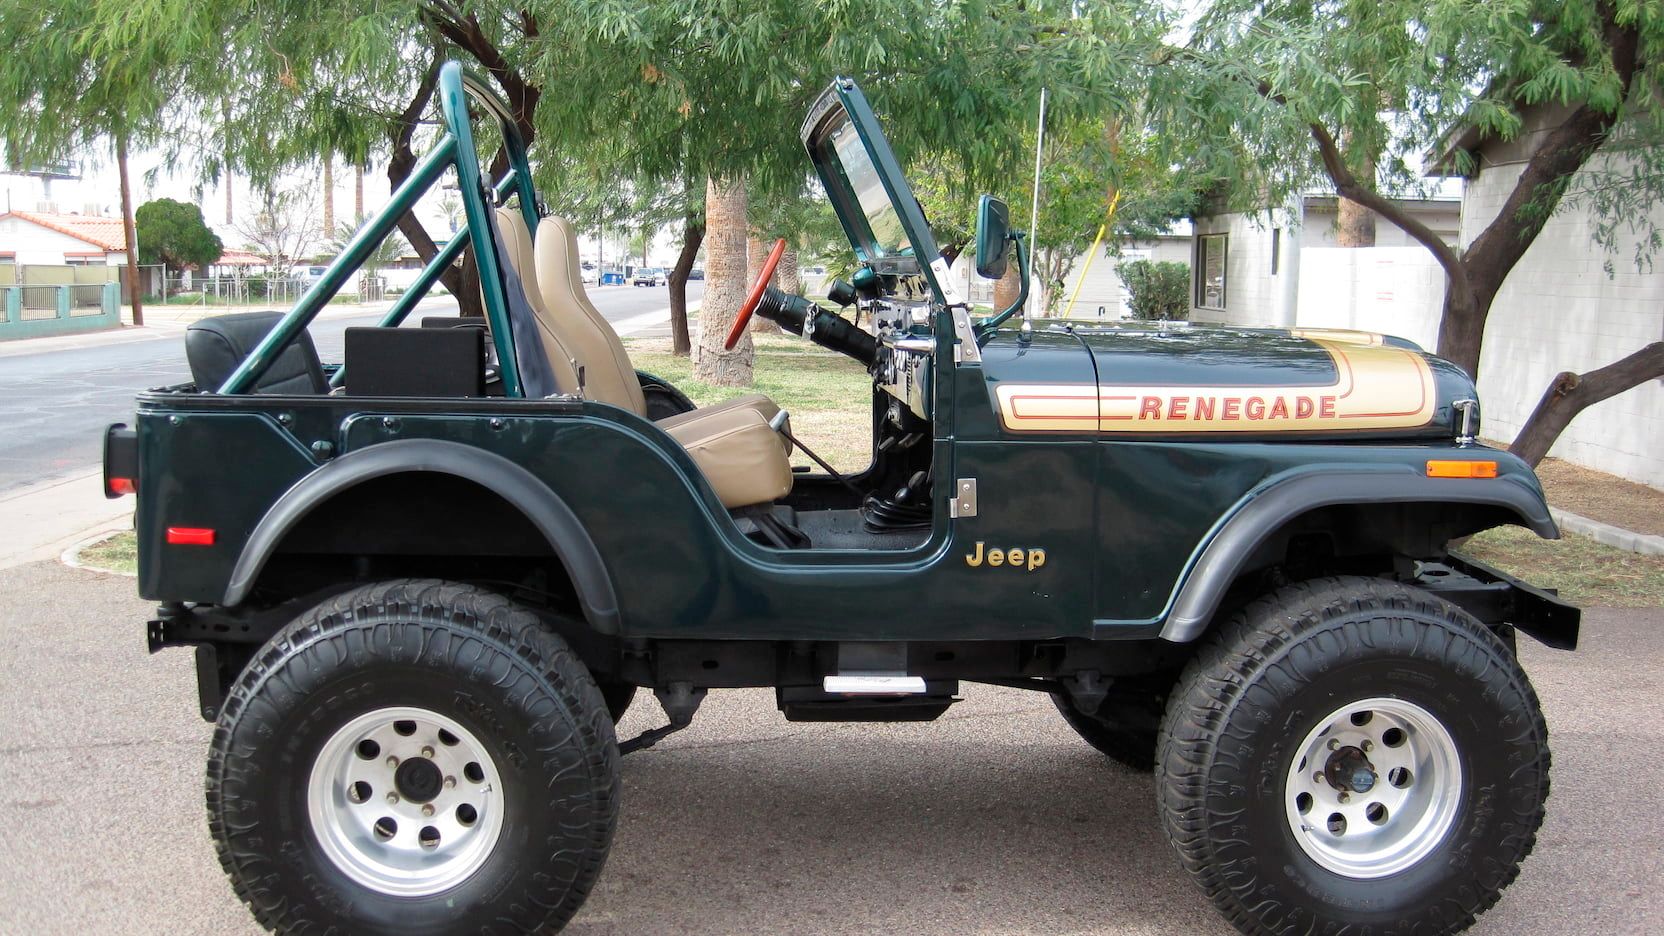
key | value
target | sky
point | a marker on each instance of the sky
(97, 191)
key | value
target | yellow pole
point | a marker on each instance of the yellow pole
(1092, 254)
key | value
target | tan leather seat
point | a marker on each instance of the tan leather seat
(608, 373)
(740, 454)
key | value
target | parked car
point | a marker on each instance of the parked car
(648, 276)
(697, 273)
(1229, 556)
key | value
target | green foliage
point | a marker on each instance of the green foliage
(173, 233)
(1391, 78)
(1157, 289)
(387, 253)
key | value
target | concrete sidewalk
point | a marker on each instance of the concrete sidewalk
(42, 520)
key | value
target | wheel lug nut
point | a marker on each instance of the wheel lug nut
(427, 809)
(1334, 744)
(1367, 746)
(392, 761)
(450, 782)
(392, 798)
(1318, 777)
(427, 752)
(1345, 797)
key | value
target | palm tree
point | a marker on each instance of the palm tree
(725, 286)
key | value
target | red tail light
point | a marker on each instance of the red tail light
(121, 461)
(190, 536)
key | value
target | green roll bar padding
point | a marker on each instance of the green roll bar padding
(455, 149)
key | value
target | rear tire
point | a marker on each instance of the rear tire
(414, 757)
(1407, 706)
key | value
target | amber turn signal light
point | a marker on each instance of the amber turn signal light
(1461, 469)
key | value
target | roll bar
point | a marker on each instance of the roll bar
(455, 148)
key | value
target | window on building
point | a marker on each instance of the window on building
(1210, 271)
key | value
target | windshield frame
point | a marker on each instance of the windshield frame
(842, 103)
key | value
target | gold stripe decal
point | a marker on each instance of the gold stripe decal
(1375, 387)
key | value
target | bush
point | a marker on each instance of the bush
(1157, 290)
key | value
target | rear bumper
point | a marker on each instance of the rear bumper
(1496, 597)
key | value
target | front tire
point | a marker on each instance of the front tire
(1353, 754)
(413, 757)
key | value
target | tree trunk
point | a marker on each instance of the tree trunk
(1462, 323)
(129, 233)
(693, 234)
(1008, 287)
(788, 277)
(1569, 394)
(329, 197)
(726, 285)
(1355, 223)
(756, 254)
(463, 283)
(358, 191)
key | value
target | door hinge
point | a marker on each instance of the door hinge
(964, 498)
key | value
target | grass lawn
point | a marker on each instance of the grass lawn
(1585, 572)
(119, 553)
(830, 399)
(828, 394)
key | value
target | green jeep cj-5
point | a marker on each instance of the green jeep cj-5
(423, 584)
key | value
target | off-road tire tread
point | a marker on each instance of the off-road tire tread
(1268, 632)
(502, 625)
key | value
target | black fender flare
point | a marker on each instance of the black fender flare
(544, 508)
(1269, 508)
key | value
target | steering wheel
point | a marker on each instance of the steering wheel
(757, 289)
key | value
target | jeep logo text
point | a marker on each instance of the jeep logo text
(1017, 557)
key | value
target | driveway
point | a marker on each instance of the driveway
(993, 820)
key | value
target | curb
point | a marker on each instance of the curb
(72, 556)
(1607, 534)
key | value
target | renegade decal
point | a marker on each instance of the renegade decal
(1375, 387)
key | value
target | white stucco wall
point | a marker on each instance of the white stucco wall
(1390, 290)
(35, 244)
(1559, 310)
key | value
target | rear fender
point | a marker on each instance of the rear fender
(567, 537)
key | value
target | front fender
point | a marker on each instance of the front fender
(1269, 508)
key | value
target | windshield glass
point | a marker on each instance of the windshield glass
(861, 179)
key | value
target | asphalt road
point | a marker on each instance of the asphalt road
(54, 405)
(995, 819)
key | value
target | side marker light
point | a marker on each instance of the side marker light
(190, 536)
(1461, 469)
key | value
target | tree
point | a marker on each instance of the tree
(391, 249)
(283, 230)
(174, 234)
(725, 269)
(1158, 291)
(1267, 92)
(68, 86)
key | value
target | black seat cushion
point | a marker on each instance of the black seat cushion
(215, 346)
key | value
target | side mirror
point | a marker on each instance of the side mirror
(993, 237)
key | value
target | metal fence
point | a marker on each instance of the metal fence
(259, 290)
(35, 310)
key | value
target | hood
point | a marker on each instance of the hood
(1179, 378)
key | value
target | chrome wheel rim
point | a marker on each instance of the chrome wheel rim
(1373, 788)
(405, 801)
